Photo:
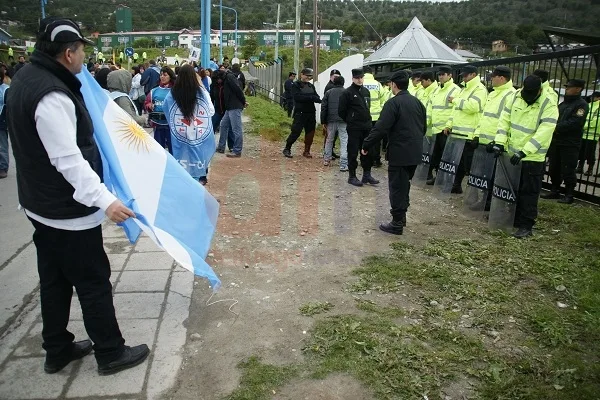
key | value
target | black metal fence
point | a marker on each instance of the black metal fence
(581, 63)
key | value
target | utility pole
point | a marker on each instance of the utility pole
(221, 32)
(43, 4)
(277, 34)
(297, 41)
(315, 43)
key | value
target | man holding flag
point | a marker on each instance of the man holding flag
(60, 187)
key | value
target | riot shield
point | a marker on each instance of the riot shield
(448, 167)
(479, 184)
(423, 169)
(504, 194)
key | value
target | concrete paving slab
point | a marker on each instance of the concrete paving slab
(117, 246)
(149, 261)
(138, 305)
(21, 379)
(117, 261)
(19, 329)
(89, 383)
(143, 281)
(112, 230)
(31, 344)
(145, 244)
(182, 282)
(17, 281)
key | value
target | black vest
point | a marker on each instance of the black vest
(42, 189)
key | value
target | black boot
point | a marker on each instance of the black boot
(367, 178)
(589, 170)
(287, 152)
(522, 233)
(394, 227)
(456, 189)
(551, 195)
(430, 179)
(579, 169)
(403, 219)
(353, 180)
(568, 197)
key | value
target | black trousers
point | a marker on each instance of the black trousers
(563, 162)
(530, 186)
(68, 259)
(438, 151)
(376, 150)
(464, 167)
(355, 142)
(306, 121)
(587, 152)
(399, 188)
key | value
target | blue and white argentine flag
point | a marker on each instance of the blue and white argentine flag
(172, 208)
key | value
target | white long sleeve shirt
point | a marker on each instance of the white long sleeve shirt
(56, 123)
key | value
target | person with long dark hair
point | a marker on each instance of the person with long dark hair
(189, 112)
(154, 105)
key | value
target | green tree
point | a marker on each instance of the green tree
(250, 45)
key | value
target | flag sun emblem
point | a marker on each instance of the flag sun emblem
(132, 134)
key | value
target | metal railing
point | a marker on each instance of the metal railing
(581, 63)
(268, 76)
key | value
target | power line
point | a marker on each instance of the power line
(363, 15)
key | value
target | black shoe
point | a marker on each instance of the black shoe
(234, 155)
(588, 172)
(203, 180)
(287, 153)
(456, 189)
(377, 164)
(334, 156)
(522, 233)
(403, 219)
(394, 227)
(367, 178)
(566, 199)
(222, 151)
(430, 181)
(354, 181)
(131, 357)
(80, 350)
(551, 195)
(579, 170)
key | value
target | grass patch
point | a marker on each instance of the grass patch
(259, 380)
(267, 119)
(318, 307)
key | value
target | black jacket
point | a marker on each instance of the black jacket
(234, 96)
(329, 85)
(287, 91)
(42, 189)
(217, 95)
(403, 121)
(305, 96)
(355, 107)
(572, 113)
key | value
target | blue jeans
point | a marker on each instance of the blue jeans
(3, 150)
(216, 121)
(162, 134)
(231, 125)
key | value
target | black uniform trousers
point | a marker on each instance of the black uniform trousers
(587, 152)
(355, 142)
(438, 151)
(530, 186)
(306, 121)
(68, 259)
(376, 150)
(563, 162)
(466, 160)
(399, 188)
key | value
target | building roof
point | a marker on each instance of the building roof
(587, 38)
(467, 54)
(415, 45)
(6, 33)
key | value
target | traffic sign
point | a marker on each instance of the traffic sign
(129, 51)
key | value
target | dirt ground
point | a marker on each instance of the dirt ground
(290, 232)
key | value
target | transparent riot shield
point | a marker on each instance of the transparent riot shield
(479, 184)
(448, 167)
(504, 194)
(423, 169)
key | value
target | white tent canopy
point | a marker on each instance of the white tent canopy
(415, 45)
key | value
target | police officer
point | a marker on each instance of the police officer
(550, 92)
(429, 85)
(355, 111)
(468, 109)
(566, 142)
(404, 121)
(305, 96)
(591, 132)
(332, 74)
(525, 130)
(376, 104)
(144, 56)
(287, 93)
(439, 110)
(415, 84)
(488, 125)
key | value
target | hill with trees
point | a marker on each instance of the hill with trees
(472, 22)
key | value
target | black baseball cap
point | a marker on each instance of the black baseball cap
(307, 72)
(60, 30)
(502, 70)
(444, 69)
(468, 69)
(335, 72)
(358, 73)
(595, 94)
(580, 83)
(399, 76)
(531, 87)
(291, 74)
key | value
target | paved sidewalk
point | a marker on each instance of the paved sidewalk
(152, 298)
